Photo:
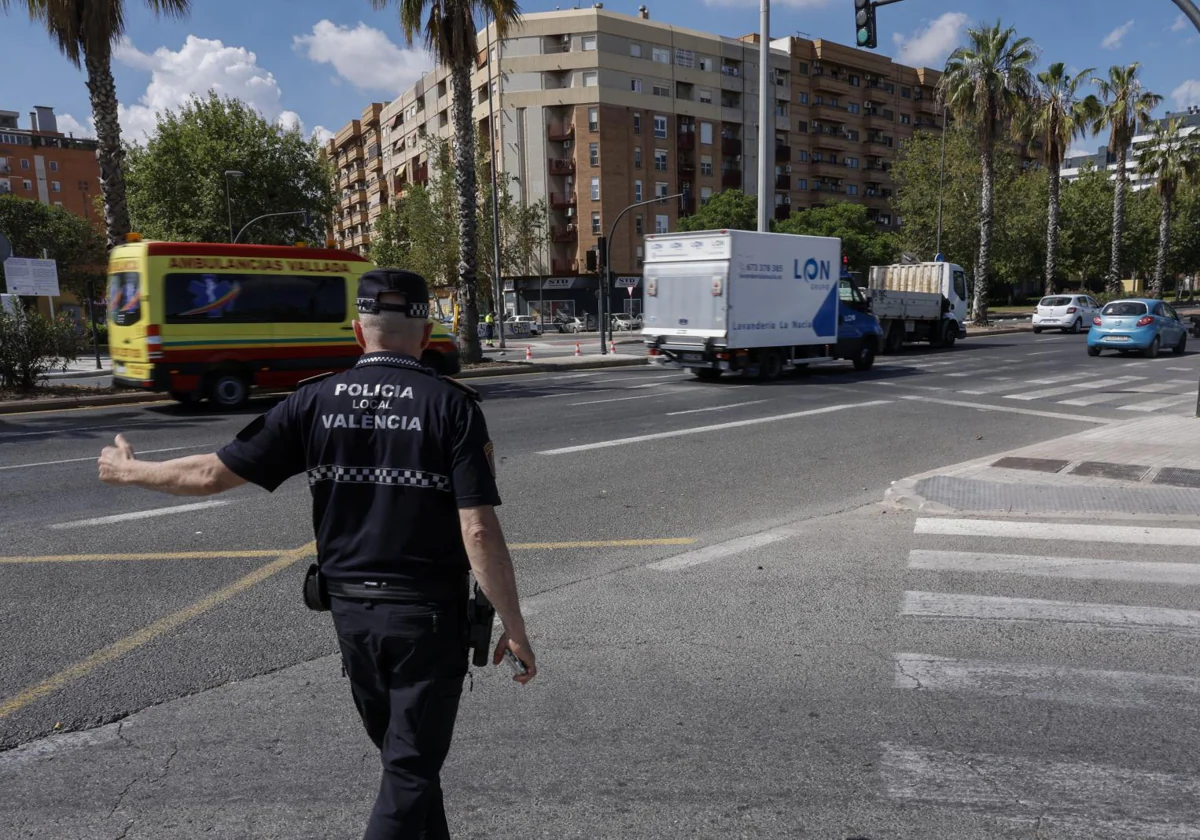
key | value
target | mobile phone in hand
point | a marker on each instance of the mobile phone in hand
(517, 665)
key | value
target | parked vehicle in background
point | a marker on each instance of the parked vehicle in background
(576, 325)
(626, 323)
(529, 321)
(1069, 313)
(1141, 324)
(919, 302)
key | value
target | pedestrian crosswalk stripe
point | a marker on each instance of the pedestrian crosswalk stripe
(1078, 568)
(945, 605)
(1005, 386)
(1073, 686)
(1155, 405)
(1062, 798)
(1072, 388)
(1057, 531)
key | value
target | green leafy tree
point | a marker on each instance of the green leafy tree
(1184, 257)
(448, 29)
(34, 228)
(524, 228)
(1058, 114)
(177, 181)
(1085, 240)
(727, 210)
(862, 242)
(1171, 158)
(1022, 205)
(985, 85)
(32, 345)
(85, 31)
(1126, 106)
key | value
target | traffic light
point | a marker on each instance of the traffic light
(864, 24)
(589, 260)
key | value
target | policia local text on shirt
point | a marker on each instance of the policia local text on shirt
(396, 458)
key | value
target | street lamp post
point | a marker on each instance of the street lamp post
(606, 273)
(766, 113)
(231, 173)
(303, 213)
(941, 182)
(497, 280)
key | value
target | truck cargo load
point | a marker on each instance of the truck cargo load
(919, 302)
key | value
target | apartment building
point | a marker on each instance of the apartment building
(595, 111)
(43, 164)
(1106, 158)
(360, 184)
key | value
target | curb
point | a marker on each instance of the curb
(73, 374)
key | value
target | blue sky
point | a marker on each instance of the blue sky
(318, 63)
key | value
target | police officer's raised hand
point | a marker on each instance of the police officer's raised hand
(522, 650)
(115, 460)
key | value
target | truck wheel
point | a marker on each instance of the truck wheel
(707, 374)
(865, 358)
(895, 338)
(770, 365)
(950, 335)
(228, 389)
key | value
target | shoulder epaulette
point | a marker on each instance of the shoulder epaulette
(316, 378)
(465, 388)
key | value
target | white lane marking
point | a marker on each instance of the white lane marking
(1044, 340)
(575, 393)
(720, 550)
(1071, 389)
(1042, 353)
(1063, 798)
(639, 378)
(137, 514)
(1008, 409)
(1074, 686)
(1094, 399)
(1155, 405)
(618, 399)
(140, 452)
(605, 444)
(992, 389)
(946, 605)
(1058, 531)
(1076, 568)
(714, 408)
(71, 429)
(1185, 370)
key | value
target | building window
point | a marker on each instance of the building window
(802, 68)
(640, 258)
(638, 227)
(905, 119)
(593, 119)
(24, 163)
(635, 50)
(660, 189)
(660, 160)
(637, 123)
(53, 166)
(802, 127)
(854, 108)
(905, 93)
(851, 162)
(58, 204)
(635, 85)
(662, 90)
(706, 133)
(801, 183)
(662, 224)
(851, 189)
(591, 78)
(662, 55)
(594, 154)
(834, 103)
(855, 81)
(852, 135)
(660, 125)
(55, 186)
(705, 96)
(27, 185)
(596, 223)
(705, 195)
(589, 43)
(685, 58)
(637, 191)
(637, 157)
(802, 98)
(706, 64)
(818, 99)
(706, 165)
(596, 189)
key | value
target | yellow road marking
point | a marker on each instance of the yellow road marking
(106, 558)
(147, 634)
(548, 546)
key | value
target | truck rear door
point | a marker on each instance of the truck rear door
(686, 301)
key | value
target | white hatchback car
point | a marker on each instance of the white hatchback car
(1069, 313)
(534, 325)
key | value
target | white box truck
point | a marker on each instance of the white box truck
(919, 302)
(752, 303)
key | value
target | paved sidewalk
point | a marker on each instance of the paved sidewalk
(83, 366)
(1145, 468)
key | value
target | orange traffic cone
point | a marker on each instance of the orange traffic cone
(528, 353)
(578, 352)
(612, 347)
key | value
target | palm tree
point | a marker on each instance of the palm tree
(1172, 158)
(85, 31)
(448, 28)
(985, 85)
(1126, 107)
(1057, 116)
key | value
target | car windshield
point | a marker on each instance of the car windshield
(1055, 301)
(1125, 307)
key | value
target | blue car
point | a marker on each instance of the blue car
(1140, 324)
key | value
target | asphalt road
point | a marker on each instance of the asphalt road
(723, 700)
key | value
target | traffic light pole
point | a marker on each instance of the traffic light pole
(1189, 9)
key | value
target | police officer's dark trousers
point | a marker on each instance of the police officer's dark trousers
(406, 663)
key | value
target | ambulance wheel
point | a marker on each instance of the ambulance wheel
(228, 389)
(707, 374)
(770, 365)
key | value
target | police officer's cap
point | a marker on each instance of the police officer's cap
(379, 281)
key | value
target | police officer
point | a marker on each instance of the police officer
(401, 472)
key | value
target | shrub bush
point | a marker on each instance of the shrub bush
(32, 345)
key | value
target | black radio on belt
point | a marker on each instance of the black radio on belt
(316, 593)
(480, 617)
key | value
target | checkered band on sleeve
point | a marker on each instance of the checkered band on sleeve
(395, 361)
(379, 475)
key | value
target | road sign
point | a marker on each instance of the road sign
(37, 278)
(5, 248)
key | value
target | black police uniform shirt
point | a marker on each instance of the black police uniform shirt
(391, 452)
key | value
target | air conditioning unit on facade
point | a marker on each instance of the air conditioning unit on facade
(567, 143)
(570, 212)
(787, 168)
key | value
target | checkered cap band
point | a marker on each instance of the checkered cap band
(379, 475)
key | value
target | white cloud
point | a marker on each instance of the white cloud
(1186, 93)
(1180, 24)
(199, 66)
(323, 134)
(930, 47)
(1113, 39)
(67, 124)
(363, 56)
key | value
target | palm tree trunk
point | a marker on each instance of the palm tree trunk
(1113, 284)
(979, 315)
(1164, 241)
(1052, 227)
(103, 91)
(466, 210)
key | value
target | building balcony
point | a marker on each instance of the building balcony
(783, 181)
(564, 266)
(828, 169)
(783, 154)
(421, 174)
(562, 200)
(560, 132)
(830, 140)
(562, 166)
(878, 119)
(685, 141)
(570, 233)
(686, 204)
(731, 146)
(881, 193)
(835, 113)
(686, 169)
(353, 153)
(879, 141)
(825, 81)
(731, 178)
